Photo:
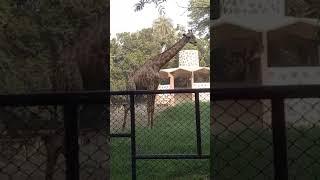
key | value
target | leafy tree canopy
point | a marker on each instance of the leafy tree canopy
(200, 16)
(130, 50)
(33, 35)
(159, 4)
(199, 13)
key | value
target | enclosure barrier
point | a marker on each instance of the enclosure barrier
(280, 123)
(277, 96)
(71, 101)
(132, 135)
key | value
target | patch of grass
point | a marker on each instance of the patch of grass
(174, 132)
(249, 154)
(120, 158)
(244, 155)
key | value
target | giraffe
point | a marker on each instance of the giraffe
(147, 77)
(82, 66)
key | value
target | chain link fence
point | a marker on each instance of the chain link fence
(33, 146)
(303, 137)
(243, 141)
(174, 134)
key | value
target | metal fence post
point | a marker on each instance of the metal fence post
(279, 139)
(71, 141)
(133, 139)
(214, 9)
(198, 125)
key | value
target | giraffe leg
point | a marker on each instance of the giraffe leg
(126, 110)
(150, 109)
(153, 97)
(149, 116)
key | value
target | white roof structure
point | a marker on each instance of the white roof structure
(257, 15)
(263, 23)
(252, 7)
(266, 21)
(191, 69)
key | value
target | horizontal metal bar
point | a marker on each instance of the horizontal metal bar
(52, 99)
(171, 156)
(100, 97)
(266, 92)
(159, 91)
(120, 135)
(82, 97)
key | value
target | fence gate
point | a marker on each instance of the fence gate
(158, 153)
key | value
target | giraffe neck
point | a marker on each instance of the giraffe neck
(159, 61)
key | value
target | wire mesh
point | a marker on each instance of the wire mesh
(241, 140)
(32, 145)
(174, 132)
(303, 133)
(120, 147)
(242, 145)
(26, 135)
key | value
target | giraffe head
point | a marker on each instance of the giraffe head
(191, 38)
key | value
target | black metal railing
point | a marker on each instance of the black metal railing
(277, 96)
(71, 102)
(132, 135)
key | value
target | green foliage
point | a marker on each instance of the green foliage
(200, 16)
(174, 133)
(199, 13)
(33, 35)
(163, 28)
(141, 4)
(130, 50)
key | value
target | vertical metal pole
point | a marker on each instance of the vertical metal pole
(71, 141)
(198, 125)
(133, 139)
(214, 9)
(279, 139)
